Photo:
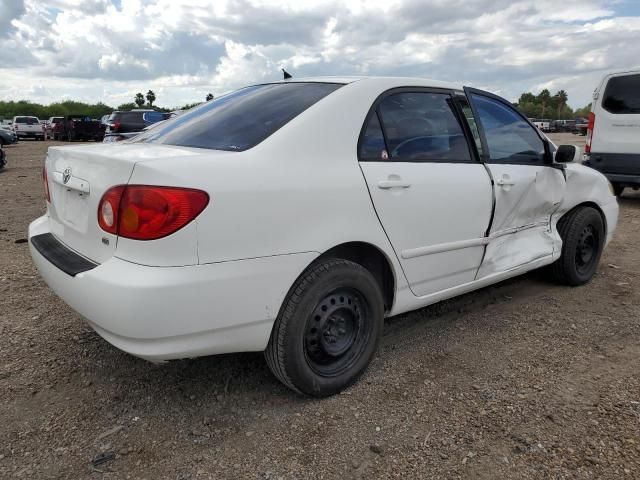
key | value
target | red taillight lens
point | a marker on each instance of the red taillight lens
(109, 209)
(45, 180)
(115, 126)
(145, 212)
(590, 126)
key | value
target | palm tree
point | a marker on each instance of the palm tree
(543, 99)
(562, 97)
(139, 100)
(209, 97)
(151, 97)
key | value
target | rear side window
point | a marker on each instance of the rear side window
(421, 127)
(622, 95)
(509, 137)
(372, 146)
(240, 120)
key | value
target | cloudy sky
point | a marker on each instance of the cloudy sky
(107, 50)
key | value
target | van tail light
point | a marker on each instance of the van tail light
(147, 212)
(115, 126)
(45, 181)
(590, 126)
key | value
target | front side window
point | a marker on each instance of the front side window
(622, 95)
(510, 138)
(421, 127)
(240, 120)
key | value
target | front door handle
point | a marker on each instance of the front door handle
(387, 184)
(505, 181)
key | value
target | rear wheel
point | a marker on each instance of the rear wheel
(617, 189)
(328, 328)
(583, 234)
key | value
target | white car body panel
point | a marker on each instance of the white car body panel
(435, 253)
(526, 197)
(217, 285)
(614, 133)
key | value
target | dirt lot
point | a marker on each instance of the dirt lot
(525, 379)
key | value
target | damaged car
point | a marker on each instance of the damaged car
(293, 217)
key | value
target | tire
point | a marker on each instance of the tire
(617, 189)
(582, 232)
(328, 328)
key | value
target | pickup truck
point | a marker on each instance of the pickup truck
(78, 127)
(28, 127)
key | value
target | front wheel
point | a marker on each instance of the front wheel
(583, 234)
(328, 328)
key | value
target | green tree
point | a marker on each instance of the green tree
(151, 97)
(127, 106)
(543, 99)
(139, 99)
(584, 111)
(562, 102)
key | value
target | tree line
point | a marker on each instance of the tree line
(553, 107)
(10, 109)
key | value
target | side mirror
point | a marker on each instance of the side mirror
(567, 154)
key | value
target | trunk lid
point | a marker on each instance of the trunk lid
(78, 177)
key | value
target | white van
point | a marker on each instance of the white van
(613, 135)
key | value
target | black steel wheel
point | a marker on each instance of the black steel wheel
(328, 328)
(583, 234)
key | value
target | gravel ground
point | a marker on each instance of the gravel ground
(525, 379)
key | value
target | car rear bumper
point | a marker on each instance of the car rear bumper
(29, 134)
(163, 313)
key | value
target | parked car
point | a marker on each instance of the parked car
(125, 125)
(613, 135)
(28, 127)
(543, 124)
(582, 125)
(563, 126)
(3, 158)
(7, 137)
(78, 127)
(53, 121)
(292, 217)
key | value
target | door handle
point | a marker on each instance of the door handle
(505, 181)
(387, 184)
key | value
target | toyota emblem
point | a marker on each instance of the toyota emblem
(66, 175)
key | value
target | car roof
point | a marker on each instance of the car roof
(371, 81)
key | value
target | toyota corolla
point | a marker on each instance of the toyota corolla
(293, 217)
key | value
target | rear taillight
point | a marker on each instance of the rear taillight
(146, 212)
(115, 126)
(590, 126)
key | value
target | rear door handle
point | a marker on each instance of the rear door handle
(387, 184)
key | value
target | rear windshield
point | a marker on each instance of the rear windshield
(28, 120)
(240, 120)
(127, 116)
(622, 95)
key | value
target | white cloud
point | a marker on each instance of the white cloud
(106, 50)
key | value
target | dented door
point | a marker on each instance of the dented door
(527, 189)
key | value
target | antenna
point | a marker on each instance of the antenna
(287, 75)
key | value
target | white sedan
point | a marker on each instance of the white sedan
(292, 217)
